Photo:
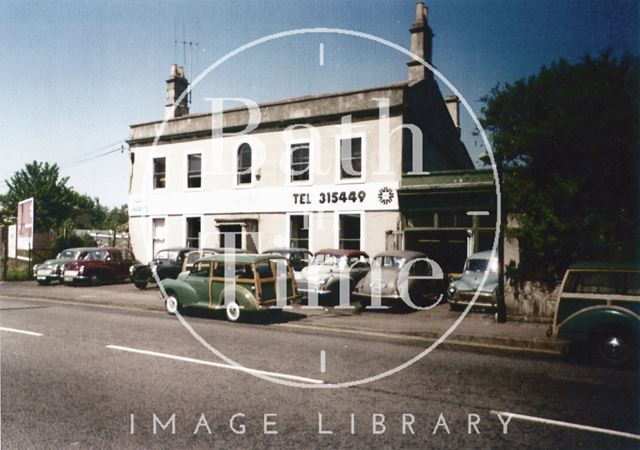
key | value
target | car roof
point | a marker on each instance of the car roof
(486, 254)
(287, 250)
(78, 249)
(222, 250)
(604, 265)
(176, 249)
(341, 252)
(410, 254)
(244, 258)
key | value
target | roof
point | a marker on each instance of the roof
(486, 254)
(606, 265)
(177, 249)
(287, 250)
(341, 252)
(247, 258)
(410, 254)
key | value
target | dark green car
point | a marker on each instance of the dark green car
(599, 306)
(251, 283)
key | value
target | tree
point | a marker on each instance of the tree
(53, 198)
(566, 139)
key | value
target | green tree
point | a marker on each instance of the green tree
(54, 200)
(569, 134)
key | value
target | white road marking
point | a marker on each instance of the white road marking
(574, 426)
(323, 361)
(477, 213)
(214, 364)
(322, 53)
(14, 330)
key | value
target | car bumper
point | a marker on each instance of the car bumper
(484, 299)
(306, 287)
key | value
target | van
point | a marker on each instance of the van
(598, 308)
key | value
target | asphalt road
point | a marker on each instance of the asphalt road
(84, 381)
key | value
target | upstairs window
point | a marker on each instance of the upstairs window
(194, 171)
(299, 231)
(300, 162)
(350, 158)
(349, 231)
(244, 165)
(159, 173)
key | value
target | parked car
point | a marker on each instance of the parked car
(598, 307)
(193, 256)
(298, 257)
(167, 263)
(462, 290)
(204, 287)
(328, 267)
(52, 269)
(391, 284)
(100, 265)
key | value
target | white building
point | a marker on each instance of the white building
(304, 177)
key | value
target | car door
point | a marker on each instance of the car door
(199, 279)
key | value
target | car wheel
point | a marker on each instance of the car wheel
(93, 279)
(456, 307)
(142, 285)
(233, 312)
(44, 282)
(171, 305)
(613, 348)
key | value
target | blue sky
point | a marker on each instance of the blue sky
(76, 74)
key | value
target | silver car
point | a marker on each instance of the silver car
(462, 290)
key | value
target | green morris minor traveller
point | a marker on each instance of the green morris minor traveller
(599, 307)
(235, 283)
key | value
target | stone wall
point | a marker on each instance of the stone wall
(530, 301)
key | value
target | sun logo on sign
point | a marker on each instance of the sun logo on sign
(385, 195)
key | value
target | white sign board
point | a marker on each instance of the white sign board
(339, 197)
(11, 242)
(25, 224)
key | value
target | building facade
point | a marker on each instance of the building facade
(315, 172)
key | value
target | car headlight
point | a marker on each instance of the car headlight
(81, 269)
(131, 270)
(452, 289)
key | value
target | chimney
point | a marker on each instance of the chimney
(176, 85)
(421, 44)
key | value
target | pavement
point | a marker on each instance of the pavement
(476, 331)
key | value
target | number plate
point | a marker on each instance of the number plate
(44, 272)
(69, 275)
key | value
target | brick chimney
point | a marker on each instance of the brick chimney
(176, 85)
(421, 44)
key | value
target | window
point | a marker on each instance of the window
(201, 269)
(159, 173)
(299, 231)
(349, 231)
(244, 164)
(194, 171)
(300, 162)
(193, 232)
(350, 158)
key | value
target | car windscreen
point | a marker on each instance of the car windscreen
(96, 255)
(324, 260)
(603, 282)
(480, 265)
(167, 254)
(389, 261)
(67, 254)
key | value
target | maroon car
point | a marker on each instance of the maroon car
(100, 265)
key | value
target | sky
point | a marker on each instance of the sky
(76, 74)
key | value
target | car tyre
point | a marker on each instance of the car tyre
(93, 280)
(142, 285)
(614, 348)
(233, 312)
(172, 305)
(44, 282)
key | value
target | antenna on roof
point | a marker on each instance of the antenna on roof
(186, 58)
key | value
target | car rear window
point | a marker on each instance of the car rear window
(603, 282)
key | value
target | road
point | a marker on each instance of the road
(97, 377)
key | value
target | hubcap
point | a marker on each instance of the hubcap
(614, 347)
(172, 305)
(233, 311)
